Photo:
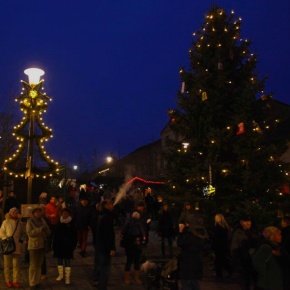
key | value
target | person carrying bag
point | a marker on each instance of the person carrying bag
(12, 234)
(8, 245)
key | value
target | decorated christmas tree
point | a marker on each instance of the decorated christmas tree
(229, 134)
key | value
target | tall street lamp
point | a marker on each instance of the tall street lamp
(30, 159)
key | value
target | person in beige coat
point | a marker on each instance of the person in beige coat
(12, 220)
(38, 233)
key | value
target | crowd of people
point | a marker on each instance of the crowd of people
(261, 261)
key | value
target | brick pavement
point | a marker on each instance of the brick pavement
(82, 271)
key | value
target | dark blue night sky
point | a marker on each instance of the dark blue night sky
(112, 67)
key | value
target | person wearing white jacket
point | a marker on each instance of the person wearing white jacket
(12, 220)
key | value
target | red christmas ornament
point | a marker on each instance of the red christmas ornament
(241, 127)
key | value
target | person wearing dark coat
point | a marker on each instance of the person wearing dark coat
(149, 200)
(190, 264)
(285, 248)
(64, 244)
(83, 218)
(268, 261)
(144, 218)
(10, 202)
(165, 229)
(133, 234)
(244, 242)
(105, 247)
(221, 245)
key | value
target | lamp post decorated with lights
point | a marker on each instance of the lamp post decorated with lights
(30, 159)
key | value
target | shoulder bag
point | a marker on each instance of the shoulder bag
(7, 246)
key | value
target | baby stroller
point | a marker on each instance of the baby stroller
(153, 277)
(169, 275)
(161, 275)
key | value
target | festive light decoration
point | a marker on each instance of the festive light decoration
(32, 133)
(143, 180)
(182, 87)
(241, 127)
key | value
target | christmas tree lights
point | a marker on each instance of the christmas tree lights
(224, 113)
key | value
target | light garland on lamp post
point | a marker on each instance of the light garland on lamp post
(31, 134)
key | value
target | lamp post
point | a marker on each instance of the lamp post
(34, 75)
(31, 134)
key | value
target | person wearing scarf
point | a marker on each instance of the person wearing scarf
(64, 244)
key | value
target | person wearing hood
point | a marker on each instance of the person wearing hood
(12, 223)
(190, 261)
(133, 235)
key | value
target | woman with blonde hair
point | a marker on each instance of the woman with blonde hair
(12, 224)
(221, 245)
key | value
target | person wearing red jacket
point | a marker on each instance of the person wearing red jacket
(52, 215)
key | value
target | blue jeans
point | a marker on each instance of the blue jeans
(190, 285)
(102, 269)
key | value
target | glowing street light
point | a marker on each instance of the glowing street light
(34, 75)
(109, 159)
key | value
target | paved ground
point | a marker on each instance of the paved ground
(82, 271)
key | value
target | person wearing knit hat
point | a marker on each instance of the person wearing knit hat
(12, 224)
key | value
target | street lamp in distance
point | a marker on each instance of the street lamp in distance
(109, 159)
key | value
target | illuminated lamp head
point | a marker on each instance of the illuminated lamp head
(34, 75)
